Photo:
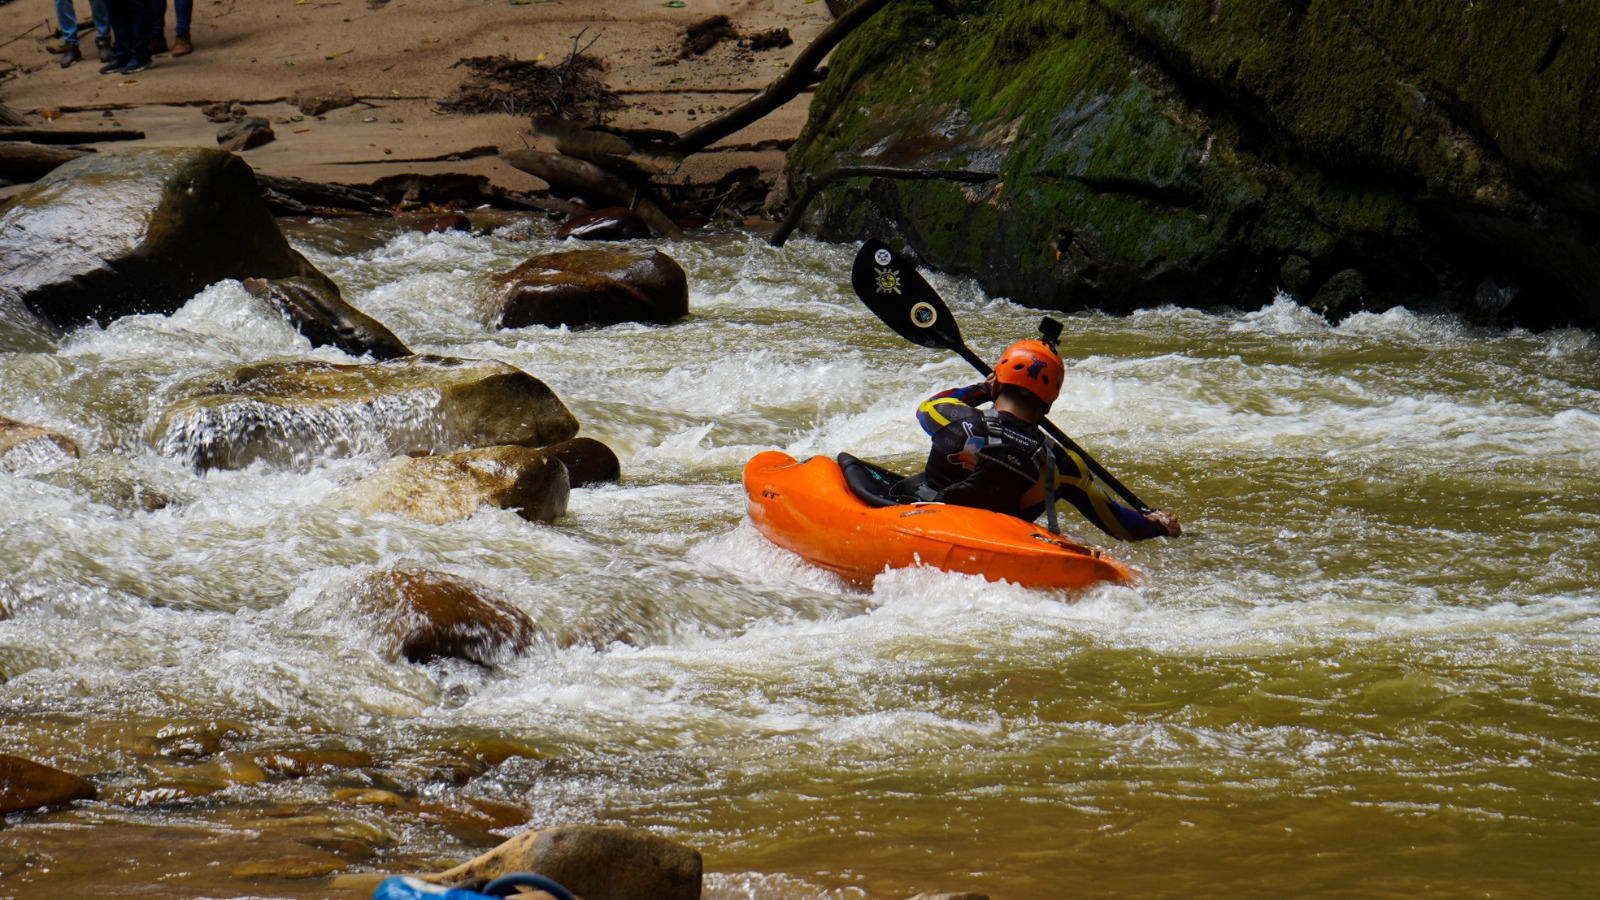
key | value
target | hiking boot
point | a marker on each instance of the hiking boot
(115, 65)
(70, 55)
(102, 49)
(137, 66)
(181, 45)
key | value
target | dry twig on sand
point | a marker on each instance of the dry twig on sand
(571, 89)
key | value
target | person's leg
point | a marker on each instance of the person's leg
(158, 25)
(143, 18)
(102, 21)
(67, 21)
(119, 14)
(182, 10)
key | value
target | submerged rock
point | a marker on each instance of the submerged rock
(27, 785)
(594, 862)
(420, 615)
(592, 288)
(440, 489)
(1167, 152)
(24, 446)
(142, 231)
(290, 413)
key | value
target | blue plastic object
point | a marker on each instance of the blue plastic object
(405, 887)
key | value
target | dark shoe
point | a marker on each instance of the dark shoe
(158, 44)
(137, 66)
(70, 55)
(102, 49)
(181, 46)
(115, 65)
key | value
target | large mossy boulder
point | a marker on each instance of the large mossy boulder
(1151, 152)
(290, 413)
(142, 231)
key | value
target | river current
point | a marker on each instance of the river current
(1369, 668)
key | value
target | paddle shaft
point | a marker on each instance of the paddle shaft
(1061, 438)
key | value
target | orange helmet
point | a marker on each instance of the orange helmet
(1033, 366)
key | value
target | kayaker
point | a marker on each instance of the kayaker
(998, 459)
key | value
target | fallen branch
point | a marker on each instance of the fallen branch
(817, 184)
(67, 136)
(786, 88)
(565, 173)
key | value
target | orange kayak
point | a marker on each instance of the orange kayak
(809, 509)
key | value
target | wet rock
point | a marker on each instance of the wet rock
(1345, 293)
(113, 480)
(27, 785)
(322, 315)
(314, 101)
(441, 223)
(595, 862)
(420, 615)
(246, 134)
(292, 412)
(440, 489)
(959, 895)
(587, 460)
(293, 868)
(1183, 151)
(24, 446)
(138, 231)
(591, 288)
(614, 223)
(307, 763)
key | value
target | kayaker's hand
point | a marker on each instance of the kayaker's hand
(991, 386)
(1167, 521)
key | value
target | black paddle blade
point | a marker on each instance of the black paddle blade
(891, 287)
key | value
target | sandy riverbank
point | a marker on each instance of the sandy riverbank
(398, 57)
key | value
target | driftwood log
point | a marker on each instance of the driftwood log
(607, 148)
(567, 174)
(314, 197)
(799, 76)
(21, 162)
(10, 117)
(815, 186)
(67, 135)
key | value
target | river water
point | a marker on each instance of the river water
(1367, 669)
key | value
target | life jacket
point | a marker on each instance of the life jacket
(1008, 466)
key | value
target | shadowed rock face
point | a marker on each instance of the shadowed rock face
(142, 231)
(593, 288)
(290, 413)
(1154, 152)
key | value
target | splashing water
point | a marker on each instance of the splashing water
(1366, 669)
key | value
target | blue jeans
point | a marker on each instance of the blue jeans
(67, 20)
(182, 10)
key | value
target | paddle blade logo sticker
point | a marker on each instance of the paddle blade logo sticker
(888, 281)
(923, 315)
(882, 257)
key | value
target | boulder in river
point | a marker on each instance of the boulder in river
(27, 785)
(1173, 152)
(24, 446)
(614, 223)
(420, 615)
(440, 489)
(595, 862)
(291, 412)
(593, 288)
(129, 232)
(587, 460)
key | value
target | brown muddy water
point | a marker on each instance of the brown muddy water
(1369, 669)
